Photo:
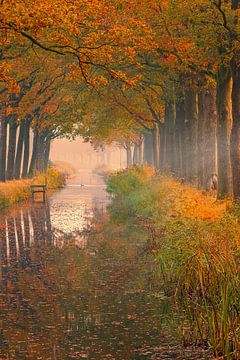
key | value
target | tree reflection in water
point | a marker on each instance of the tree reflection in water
(63, 301)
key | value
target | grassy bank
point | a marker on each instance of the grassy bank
(13, 192)
(195, 245)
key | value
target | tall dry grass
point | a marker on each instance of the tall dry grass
(195, 243)
(15, 191)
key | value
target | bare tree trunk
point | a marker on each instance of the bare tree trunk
(40, 160)
(47, 153)
(170, 122)
(224, 124)
(235, 134)
(180, 138)
(191, 128)
(141, 151)
(148, 149)
(201, 124)
(162, 147)
(32, 167)
(176, 149)
(26, 149)
(129, 153)
(155, 144)
(3, 148)
(210, 136)
(19, 154)
(11, 148)
(136, 154)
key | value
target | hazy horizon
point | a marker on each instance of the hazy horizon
(83, 155)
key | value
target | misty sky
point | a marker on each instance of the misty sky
(83, 155)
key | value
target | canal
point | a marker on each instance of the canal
(74, 285)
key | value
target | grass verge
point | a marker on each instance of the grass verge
(195, 243)
(15, 191)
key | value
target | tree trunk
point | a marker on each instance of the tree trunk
(224, 124)
(136, 154)
(162, 146)
(3, 148)
(235, 134)
(18, 159)
(155, 144)
(210, 136)
(11, 148)
(207, 139)
(40, 160)
(32, 167)
(141, 151)
(148, 149)
(129, 153)
(180, 139)
(26, 149)
(201, 124)
(47, 153)
(191, 127)
(169, 120)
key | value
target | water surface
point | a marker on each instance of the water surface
(68, 292)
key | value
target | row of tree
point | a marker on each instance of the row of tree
(32, 116)
(187, 100)
(165, 72)
(185, 143)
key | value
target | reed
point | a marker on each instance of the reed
(196, 256)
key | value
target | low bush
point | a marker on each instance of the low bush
(123, 185)
(125, 181)
(53, 178)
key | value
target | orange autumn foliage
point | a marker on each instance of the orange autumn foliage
(96, 34)
(191, 203)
